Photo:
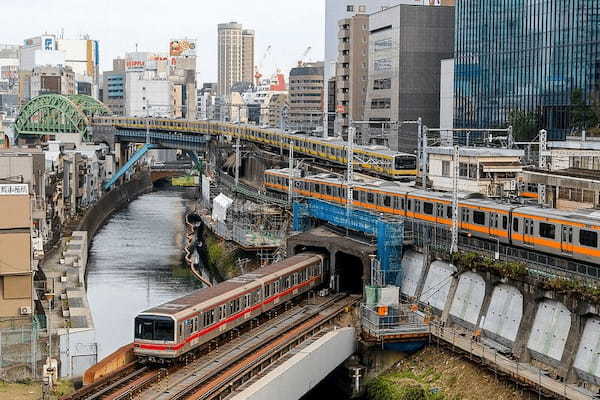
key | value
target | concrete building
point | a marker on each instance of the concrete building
(113, 86)
(40, 50)
(351, 72)
(335, 10)
(447, 95)
(83, 56)
(306, 97)
(491, 172)
(182, 76)
(235, 55)
(147, 96)
(248, 56)
(406, 46)
(16, 277)
(207, 101)
(47, 79)
(572, 179)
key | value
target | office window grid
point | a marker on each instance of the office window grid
(525, 55)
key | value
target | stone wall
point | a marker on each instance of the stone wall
(112, 201)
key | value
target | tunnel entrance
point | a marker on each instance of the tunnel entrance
(349, 273)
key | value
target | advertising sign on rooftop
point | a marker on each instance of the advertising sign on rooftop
(183, 47)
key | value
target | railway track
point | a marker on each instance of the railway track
(215, 364)
(222, 379)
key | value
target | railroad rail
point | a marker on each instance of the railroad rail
(222, 380)
(216, 368)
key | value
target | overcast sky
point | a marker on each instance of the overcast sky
(289, 26)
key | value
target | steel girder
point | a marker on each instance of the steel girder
(55, 113)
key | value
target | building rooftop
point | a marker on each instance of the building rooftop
(478, 151)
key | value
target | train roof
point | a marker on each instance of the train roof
(337, 141)
(243, 282)
(582, 216)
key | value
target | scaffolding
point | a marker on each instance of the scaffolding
(388, 232)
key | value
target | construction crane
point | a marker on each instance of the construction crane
(259, 67)
(304, 55)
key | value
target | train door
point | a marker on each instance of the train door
(528, 226)
(439, 212)
(567, 239)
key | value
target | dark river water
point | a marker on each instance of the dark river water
(135, 263)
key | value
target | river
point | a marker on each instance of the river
(135, 262)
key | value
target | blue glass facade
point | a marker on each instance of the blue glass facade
(524, 55)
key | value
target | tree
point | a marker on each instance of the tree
(524, 123)
(582, 115)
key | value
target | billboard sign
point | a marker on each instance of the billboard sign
(13, 189)
(184, 47)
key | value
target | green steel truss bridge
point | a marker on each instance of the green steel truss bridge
(54, 113)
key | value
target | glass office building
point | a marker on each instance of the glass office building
(524, 55)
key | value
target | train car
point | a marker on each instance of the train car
(167, 332)
(572, 234)
(379, 160)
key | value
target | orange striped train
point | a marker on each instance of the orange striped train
(571, 234)
(167, 332)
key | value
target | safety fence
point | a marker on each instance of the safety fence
(23, 352)
(436, 237)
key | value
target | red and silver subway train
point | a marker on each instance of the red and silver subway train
(167, 332)
(571, 234)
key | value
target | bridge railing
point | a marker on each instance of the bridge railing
(381, 322)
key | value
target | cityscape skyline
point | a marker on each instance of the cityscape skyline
(112, 27)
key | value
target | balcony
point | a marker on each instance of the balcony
(343, 46)
(343, 33)
(343, 84)
(341, 96)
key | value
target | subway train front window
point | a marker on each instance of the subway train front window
(149, 327)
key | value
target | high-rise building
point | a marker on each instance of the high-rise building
(306, 97)
(336, 10)
(236, 56)
(352, 71)
(527, 56)
(248, 56)
(406, 46)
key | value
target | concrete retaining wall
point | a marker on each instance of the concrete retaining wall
(554, 329)
(112, 201)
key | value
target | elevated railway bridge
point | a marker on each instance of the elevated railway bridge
(52, 114)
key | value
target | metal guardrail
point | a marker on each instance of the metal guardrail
(436, 237)
(396, 321)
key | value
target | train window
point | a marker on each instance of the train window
(428, 208)
(588, 238)
(505, 222)
(154, 328)
(516, 225)
(410, 204)
(479, 217)
(328, 190)
(547, 231)
(402, 203)
(449, 212)
(464, 213)
(387, 201)
(370, 197)
(355, 195)
(317, 188)
(417, 206)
